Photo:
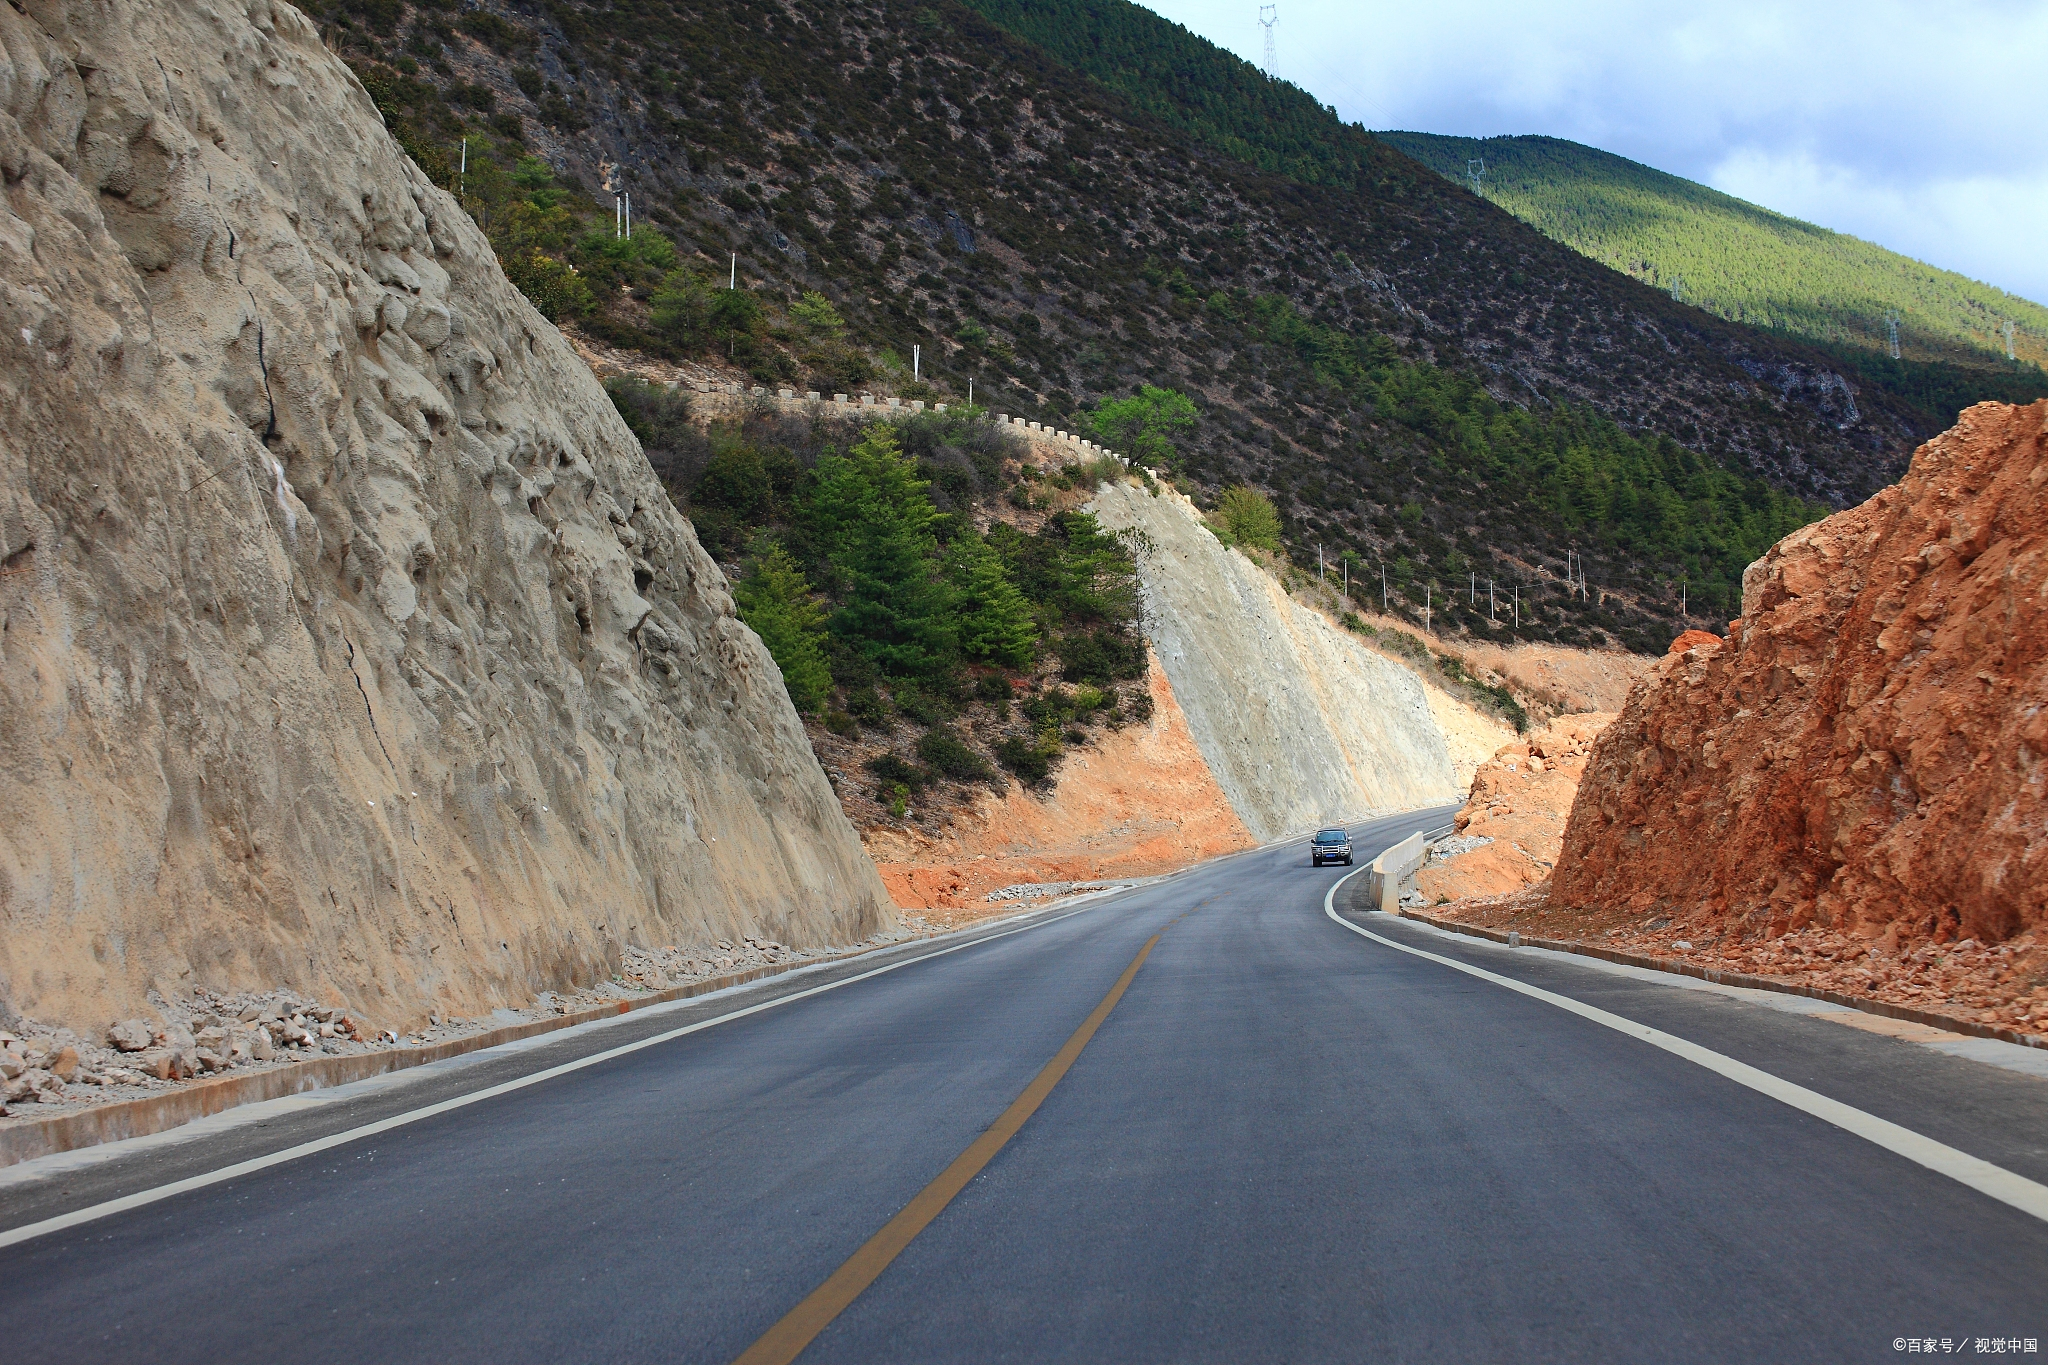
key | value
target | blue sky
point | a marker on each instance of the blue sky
(1919, 127)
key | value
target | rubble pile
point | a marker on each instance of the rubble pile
(1511, 825)
(44, 1065)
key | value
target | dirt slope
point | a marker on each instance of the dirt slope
(347, 642)
(1137, 802)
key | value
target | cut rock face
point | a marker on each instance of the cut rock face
(347, 641)
(1863, 752)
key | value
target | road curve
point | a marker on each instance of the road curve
(1284, 1142)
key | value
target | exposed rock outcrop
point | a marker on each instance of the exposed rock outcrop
(1300, 724)
(1863, 754)
(347, 642)
(1512, 825)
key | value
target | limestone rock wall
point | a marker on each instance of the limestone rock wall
(346, 640)
(1864, 751)
(1300, 724)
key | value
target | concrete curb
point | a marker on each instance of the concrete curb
(1741, 979)
(157, 1113)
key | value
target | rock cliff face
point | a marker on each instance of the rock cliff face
(1864, 752)
(1299, 724)
(347, 641)
(1512, 824)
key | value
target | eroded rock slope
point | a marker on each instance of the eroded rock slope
(347, 642)
(1299, 724)
(1863, 754)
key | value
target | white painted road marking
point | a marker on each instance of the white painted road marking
(2023, 1194)
(28, 1231)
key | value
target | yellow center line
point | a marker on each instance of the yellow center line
(786, 1340)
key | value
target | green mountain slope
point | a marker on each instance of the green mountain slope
(1738, 261)
(1419, 378)
(1735, 259)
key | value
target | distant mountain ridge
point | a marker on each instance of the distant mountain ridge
(1736, 259)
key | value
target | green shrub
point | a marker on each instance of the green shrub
(893, 771)
(816, 313)
(949, 755)
(1144, 426)
(554, 289)
(775, 602)
(1249, 517)
(1030, 759)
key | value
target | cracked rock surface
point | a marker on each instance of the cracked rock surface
(1860, 760)
(347, 642)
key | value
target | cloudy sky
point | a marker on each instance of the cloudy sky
(1920, 127)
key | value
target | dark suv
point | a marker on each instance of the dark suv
(1330, 845)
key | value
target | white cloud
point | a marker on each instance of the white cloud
(1915, 126)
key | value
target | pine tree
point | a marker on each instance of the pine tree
(995, 620)
(775, 602)
(872, 519)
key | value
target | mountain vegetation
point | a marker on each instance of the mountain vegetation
(1749, 264)
(1409, 373)
(906, 573)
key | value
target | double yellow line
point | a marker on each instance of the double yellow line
(786, 1340)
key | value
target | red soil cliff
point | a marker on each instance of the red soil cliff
(1862, 757)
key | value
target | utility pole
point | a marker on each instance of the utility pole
(1891, 329)
(1681, 597)
(1319, 565)
(2008, 341)
(733, 282)
(629, 215)
(1269, 15)
(1472, 589)
(462, 187)
(1518, 606)
(1428, 605)
(916, 363)
(1489, 600)
(1383, 587)
(970, 390)
(1677, 288)
(1475, 171)
(618, 215)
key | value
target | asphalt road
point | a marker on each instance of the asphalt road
(1285, 1142)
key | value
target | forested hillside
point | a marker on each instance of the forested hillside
(1419, 379)
(1747, 263)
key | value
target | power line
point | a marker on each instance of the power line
(1269, 15)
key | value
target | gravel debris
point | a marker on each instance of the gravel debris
(47, 1070)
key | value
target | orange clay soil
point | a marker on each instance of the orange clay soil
(1520, 798)
(1138, 802)
(2003, 984)
(1847, 791)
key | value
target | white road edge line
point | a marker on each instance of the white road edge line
(2008, 1188)
(29, 1231)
